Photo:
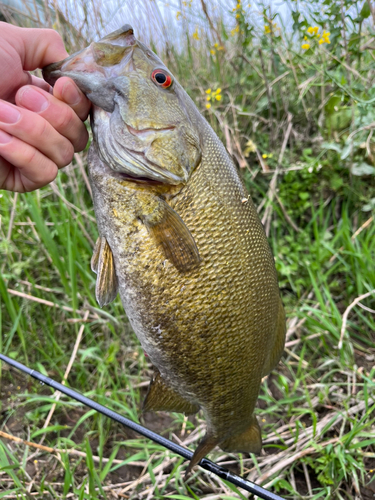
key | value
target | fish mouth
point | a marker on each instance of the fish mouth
(152, 169)
(144, 133)
(86, 59)
(129, 150)
(139, 180)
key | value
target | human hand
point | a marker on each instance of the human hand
(39, 132)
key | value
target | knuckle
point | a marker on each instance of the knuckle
(81, 141)
(66, 154)
(50, 173)
(44, 129)
(46, 173)
(53, 36)
(65, 119)
(29, 154)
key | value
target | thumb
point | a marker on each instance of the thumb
(36, 47)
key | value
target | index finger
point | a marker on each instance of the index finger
(67, 91)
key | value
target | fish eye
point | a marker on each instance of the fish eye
(161, 78)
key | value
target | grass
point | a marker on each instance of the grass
(299, 123)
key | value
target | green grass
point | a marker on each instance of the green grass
(317, 409)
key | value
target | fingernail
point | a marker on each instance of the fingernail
(33, 100)
(4, 137)
(8, 113)
(71, 94)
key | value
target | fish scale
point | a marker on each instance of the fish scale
(188, 256)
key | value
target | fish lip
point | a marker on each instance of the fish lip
(140, 180)
(159, 169)
(122, 176)
(143, 131)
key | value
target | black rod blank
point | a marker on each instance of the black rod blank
(179, 450)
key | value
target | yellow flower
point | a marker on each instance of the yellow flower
(267, 29)
(178, 15)
(305, 37)
(305, 46)
(325, 37)
(312, 30)
(235, 30)
(216, 45)
(208, 106)
(196, 35)
(220, 47)
(264, 156)
(251, 147)
(213, 52)
(238, 16)
(213, 95)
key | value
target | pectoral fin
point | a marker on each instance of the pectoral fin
(103, 265)
(174, 238)
(160, 397)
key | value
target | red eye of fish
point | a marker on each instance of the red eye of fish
(161, 78)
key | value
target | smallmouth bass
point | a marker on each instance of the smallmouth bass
(188, 256)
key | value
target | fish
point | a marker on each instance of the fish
(180, 240)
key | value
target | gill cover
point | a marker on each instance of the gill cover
(140, 120)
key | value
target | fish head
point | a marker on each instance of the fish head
(142, 119)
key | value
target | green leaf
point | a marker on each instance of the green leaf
(346, 151)
(369, 206)
(365, 11)
(51, 428)
(362, 444)
(362, 169)
(332, 146)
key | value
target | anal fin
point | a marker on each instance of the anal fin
(103, 265)
(249, 441)
(160, 397)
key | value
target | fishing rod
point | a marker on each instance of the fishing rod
(166, 443)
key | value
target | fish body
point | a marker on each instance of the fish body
(180, 240)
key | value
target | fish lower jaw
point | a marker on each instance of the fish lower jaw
(148, 132)
(139, 180)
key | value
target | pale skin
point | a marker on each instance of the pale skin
(39, 131)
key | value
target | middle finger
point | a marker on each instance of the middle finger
(34, 130)
(59, 114)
